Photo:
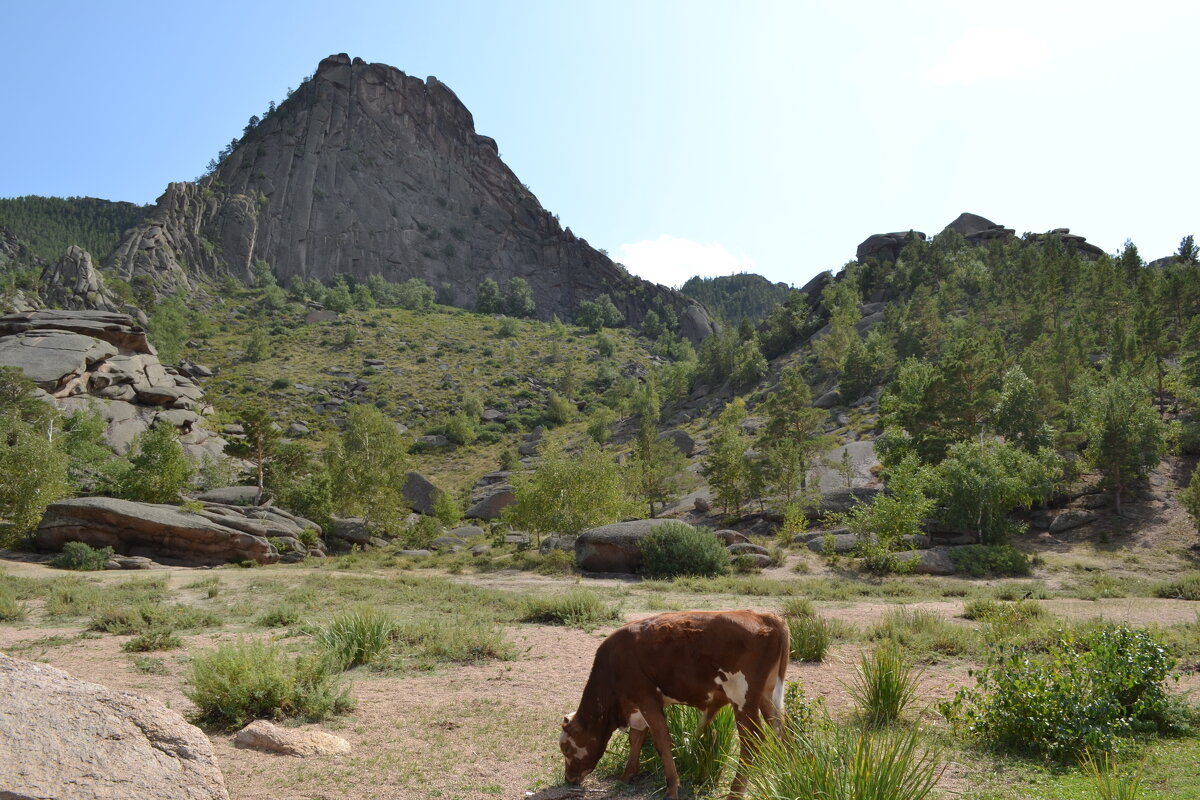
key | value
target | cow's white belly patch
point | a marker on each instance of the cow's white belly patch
(734, 686)
(638, 722)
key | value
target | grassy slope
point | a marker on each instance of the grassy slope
(431, 361)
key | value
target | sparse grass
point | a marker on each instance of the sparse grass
(924, 634)
(150, 665)
(210, 586)
(579, 608)
(236, 683)
(462, 641)
(1185, 587)
(11, 609)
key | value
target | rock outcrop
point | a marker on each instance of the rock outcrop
(164, 533)
(614, 548)
(61, 737)
(885, 246)
(270, 738)
(74, 283)
(365, 170)
(102, 361)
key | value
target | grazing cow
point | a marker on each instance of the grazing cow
(704, 659)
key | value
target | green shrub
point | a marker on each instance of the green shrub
(11, 609)
(990, 560)
(1082, 694)
(1185, 587)
(279, 616)
(798, 607)
(82, 556)
(356, 637)
(842, 762)
(152, 640)
(462, 641)
(579, 609)
(676, 548)
(146, 616)
(885, 685)
(810, 636)
(237, 683)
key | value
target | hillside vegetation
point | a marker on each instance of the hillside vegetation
(49, 225)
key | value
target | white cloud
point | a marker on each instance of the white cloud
(671, 261)
(989, 51)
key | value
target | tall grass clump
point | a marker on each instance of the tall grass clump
(11, 609)
(676, 548)
(280, 615)
(147, 616)
(1109, 780)
(701, 756)
(579, 608)
(152, 640)
(810, 637)
(357, 637)
(884, 685)
(460, 641)
(237, 683)
(844, 763)
(1185, 587)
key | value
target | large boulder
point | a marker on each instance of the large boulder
(616, 547)
(164, 533)
(862, 460)
(489, 501)
(421, 494)
(683, 442)
(885, 246)
(839, 501)
(933, 561)
(61, 737)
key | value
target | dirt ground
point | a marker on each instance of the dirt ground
(491, 730)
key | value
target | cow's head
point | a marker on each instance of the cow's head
(581, 747)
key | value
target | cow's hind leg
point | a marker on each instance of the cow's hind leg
(750, 731)
(661, 737)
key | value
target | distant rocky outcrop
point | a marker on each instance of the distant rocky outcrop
(102, 361)
(885, 246)
(74, 283)
(61, 737)
(365, 170)
(166, 534)
(975, 229)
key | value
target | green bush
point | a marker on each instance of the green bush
(11, 609)
(462, 641)
(676, 548)
(279, 616)
(924, 633)
(1185, 587)
(152, 640)
(701, 755)
(356, 637)
(885, 685)
(990, 560)
(1086, 691)
(579, 609)
(237, 683)
(82, 556)
(147, 616)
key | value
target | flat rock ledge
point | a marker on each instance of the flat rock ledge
(61, 737)
(270, 738)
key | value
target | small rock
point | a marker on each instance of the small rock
(270, 738)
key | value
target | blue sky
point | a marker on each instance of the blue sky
(683, 137)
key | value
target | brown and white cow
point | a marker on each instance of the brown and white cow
(705, 659)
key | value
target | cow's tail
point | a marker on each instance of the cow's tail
(776, 715)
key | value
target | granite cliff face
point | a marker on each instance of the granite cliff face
(367, 170)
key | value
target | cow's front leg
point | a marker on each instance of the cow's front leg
(637, 737)
(662, 743)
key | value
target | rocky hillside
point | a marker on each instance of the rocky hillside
(365, 170)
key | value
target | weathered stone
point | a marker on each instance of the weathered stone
(516, 537)
(451, 543)
(74, 283)
(886, 246)
(702, 505)
(481, 550)
(61, 737)
(616, 547)
(303, 742)
(1071, 519)
(557, 543)
(491, 502)
(421, 494)
(351, 529)
(163, 533)
(840, 501)
(753, 560)
(467, 532)
(936, 561)
(433, 441)
(230, 495)
(730, 536)
(740, 548)
(682, 441)
(828, 400)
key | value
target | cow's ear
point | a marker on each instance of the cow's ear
(567, 719)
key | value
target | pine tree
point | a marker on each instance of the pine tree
(727, 467)
(793, 438)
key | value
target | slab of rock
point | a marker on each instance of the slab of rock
(61, 737)
(230, 495)
(270, 738)
(839, 501)
(491, 501)
(730, 536)
(682, 441)
(828, 400)
(616, 547)
(161, 532)
(1071, 519)
(351, 529)
(467, 532)
(935, 561)
(755, 560)
(746, 548)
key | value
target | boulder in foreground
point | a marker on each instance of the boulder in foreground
(64, 738)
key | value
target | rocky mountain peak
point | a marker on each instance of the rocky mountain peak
(366, 170)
